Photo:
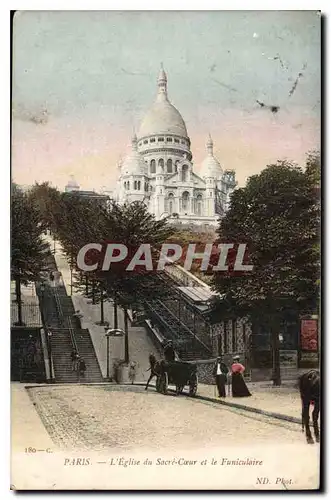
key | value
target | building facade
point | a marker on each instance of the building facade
(159, 169)
(72, 188)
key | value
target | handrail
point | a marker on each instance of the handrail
(175, 335)
(72, 334)
(70, 328)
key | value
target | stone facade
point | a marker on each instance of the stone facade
(160, 171)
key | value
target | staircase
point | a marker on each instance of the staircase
(86, 350)
(185, 342)
(61, 348)
(58, 315)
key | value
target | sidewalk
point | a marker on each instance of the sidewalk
(27, 429)
(277, 400)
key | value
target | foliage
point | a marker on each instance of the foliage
(200, 239)
(46, 201)
(276, 214)
(79, 221)
(313, 167)
(27, 246)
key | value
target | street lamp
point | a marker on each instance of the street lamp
(112, 332)
(49, 335)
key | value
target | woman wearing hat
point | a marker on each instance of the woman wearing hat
(239, 387)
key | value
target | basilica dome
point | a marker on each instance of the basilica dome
(134, 163)
(211, 167)
(163, 117)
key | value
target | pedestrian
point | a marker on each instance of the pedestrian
(169, 351)
(81, 367)
(74, 357)
(132, 372)
(77, 316)
(239, 387)
(220, 373)
(152, 363)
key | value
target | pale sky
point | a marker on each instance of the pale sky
(82, 82)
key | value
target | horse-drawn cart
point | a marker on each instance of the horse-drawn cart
(176, 373)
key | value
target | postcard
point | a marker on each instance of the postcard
(165, 250)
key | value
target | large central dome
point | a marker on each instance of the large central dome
(163, 117)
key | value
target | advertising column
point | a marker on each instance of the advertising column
(309, 355)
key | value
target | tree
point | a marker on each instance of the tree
(81, 221)
(313, 167)
(45, 199)
(27, 246)
(276, 214)
(132, 225)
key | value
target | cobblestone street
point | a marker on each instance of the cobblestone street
(100, 436)
(103, 417)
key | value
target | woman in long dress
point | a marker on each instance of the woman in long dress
(239, 387)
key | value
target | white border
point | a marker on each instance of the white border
(324, 6)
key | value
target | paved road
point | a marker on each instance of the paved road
(103, 418)
(188, 443)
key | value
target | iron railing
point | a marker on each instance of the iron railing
(30, 315)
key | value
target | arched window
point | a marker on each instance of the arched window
(128, 184)
(199, 205)
(169, 166)
(153, 167)
(139, 185)
(176, 165)
(161, 163)
(170, 203)
(185, 200)
(124, 185)
(135, 185)
(184, 173)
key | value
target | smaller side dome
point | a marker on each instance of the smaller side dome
(211, 167)
(134, 163)
(72, 185)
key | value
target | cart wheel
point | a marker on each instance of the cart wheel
(164, 383)
(179, 389)
(193, 385)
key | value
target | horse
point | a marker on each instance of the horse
(309, 386)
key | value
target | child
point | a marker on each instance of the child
(132, 372)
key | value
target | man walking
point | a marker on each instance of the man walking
(169, 351)
(152, 363)
(74, 358)
(220, 373)
(81, 368)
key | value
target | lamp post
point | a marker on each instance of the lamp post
(70, 279)
(112, 332)
(49, 336)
